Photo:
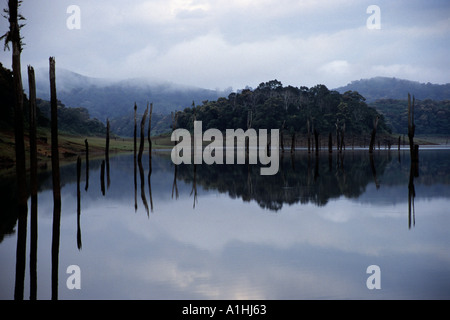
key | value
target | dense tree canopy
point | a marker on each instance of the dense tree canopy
(271, 105)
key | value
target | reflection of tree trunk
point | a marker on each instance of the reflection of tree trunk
(78, 204)
(293, 161)
(194, 186)
(249, 125)
(87, 164)
(135, 186)
(56, 181)
(330, 162)
(411, 196)
(282, 136)
(316, 168)
(102, 177)
(33, 185)
(249, 181)
(374, 172)
(141, 174)
(149, 182)
(174, 185)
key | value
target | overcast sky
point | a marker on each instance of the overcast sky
(236, 43)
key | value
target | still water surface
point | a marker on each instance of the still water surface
(225, 232)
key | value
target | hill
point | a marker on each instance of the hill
(115, 98)
(392, 88)
(431, 117)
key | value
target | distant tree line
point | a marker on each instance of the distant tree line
(431, 116)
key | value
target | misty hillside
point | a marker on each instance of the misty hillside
(114, 99)
(392, 88)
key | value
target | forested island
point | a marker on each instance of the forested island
(304, 112)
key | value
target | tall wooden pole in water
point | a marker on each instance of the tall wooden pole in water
(55, 179)
(135, 130)
(141, 145)
(13, 36)
(374, 131)
(33, 185)
(87, 164)
(108, 181)
(413, 148)
(149, 131)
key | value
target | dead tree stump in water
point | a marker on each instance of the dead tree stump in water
(33, 185)
(141, 146)
(374, 132)
(55, 179)
(149, 132)
(413, 148)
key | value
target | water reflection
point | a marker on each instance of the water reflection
(143, 197)
(79, 243)
(304, 181)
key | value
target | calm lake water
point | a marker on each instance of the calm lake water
(226, 232)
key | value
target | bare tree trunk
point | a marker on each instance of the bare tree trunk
(87, 164)
(337, 135)
(293, 142)
(134, 159)
(135, 131)
(282, 136)
(330, 143)
(108, 180)
(309, 136)
(22, 208)
(372, 137)
(149, 132)
(141, 146)
(107, 140)
(342, 145)
(414, 149)
(56, 180)
(33, 185)
(316, 138)
(249, 125)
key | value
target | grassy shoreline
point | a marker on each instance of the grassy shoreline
(71, 146)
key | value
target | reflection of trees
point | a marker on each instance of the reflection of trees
(141, 175)
(298, 181)
(413, 173)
